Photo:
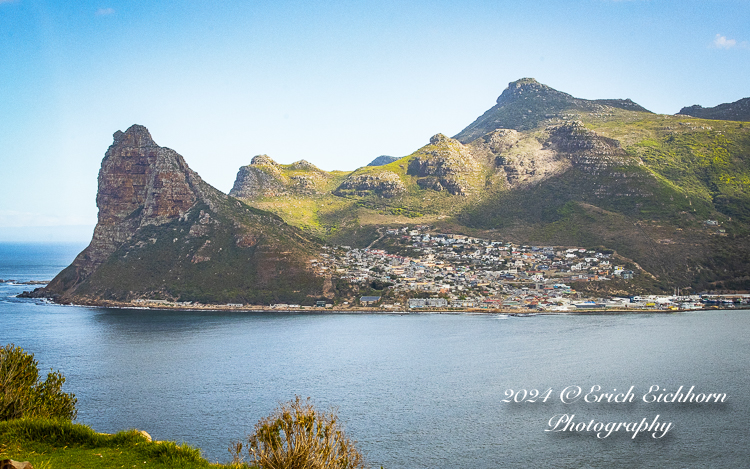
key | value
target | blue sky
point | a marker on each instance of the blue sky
(334, 82)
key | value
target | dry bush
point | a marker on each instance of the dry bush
(297, 436)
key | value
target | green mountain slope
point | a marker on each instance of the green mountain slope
(672, 193)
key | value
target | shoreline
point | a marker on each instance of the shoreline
(520, 312)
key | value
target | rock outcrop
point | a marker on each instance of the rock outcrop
(381, 183)
(140, 184)
(261, 178)
(264, 177)
(587, 149)
(443, 165)
(518, 159)
(527, 104)
(11, 464)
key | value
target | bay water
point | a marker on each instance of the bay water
(414, 390)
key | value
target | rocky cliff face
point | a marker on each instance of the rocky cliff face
(586, 149)
(140, 183)
(520, 160)
(165, 233)
(261, 178)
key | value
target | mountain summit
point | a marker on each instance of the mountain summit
(526, 104)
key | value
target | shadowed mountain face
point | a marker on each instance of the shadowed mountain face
(736, 111)
(163, 233)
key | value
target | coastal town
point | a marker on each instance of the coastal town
(416, 269)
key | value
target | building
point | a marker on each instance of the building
(428, 303)
(369, 300)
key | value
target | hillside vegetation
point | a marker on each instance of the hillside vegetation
(670, 192)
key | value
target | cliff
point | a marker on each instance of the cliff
(164, 233)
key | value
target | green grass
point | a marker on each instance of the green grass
(51, 444)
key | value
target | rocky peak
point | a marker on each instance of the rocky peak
(304, 165)
(383, 160)
(437, 139)
(137, 136)
(523, 105)
(263, 160)
(526, 88)
(258, 180)
(263, 177)
(442, 164)
(527, 104)
(442, 157)
(140, 184)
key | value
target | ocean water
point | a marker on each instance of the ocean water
(415, 390)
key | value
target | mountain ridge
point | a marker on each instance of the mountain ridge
(543, 166)
(736, 111)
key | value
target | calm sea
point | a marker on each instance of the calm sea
(415, 390)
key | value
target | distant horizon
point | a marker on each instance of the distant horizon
(61, 234)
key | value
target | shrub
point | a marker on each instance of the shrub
(297, 436)
(23, 394)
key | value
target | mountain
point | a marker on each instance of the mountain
(164, 233)
(382, 160)
(543, 167)
(736, 111)
(526, 104)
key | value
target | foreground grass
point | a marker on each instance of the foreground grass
(51, 444)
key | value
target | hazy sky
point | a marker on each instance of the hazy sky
(334, 82)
